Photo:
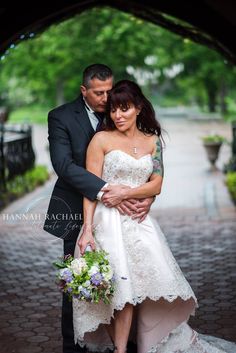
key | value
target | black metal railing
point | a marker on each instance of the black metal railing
(234, 139)
(16, 151)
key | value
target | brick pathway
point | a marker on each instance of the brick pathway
(201, 235)
(30, 304)
(205, 248)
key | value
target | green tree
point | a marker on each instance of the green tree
(47, 70)
(209, 73)
(53, 61)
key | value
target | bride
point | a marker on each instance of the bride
(153, 301)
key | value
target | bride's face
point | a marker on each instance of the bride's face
(124, 118)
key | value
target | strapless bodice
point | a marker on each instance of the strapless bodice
(121, 168)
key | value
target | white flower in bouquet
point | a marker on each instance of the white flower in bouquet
(94, 269)
(87, 284)
(108, 274)
(78, 265)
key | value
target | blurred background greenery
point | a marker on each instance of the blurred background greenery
(173, 71)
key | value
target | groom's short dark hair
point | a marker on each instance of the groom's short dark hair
(99, 71)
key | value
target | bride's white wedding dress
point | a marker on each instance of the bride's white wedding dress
(147, 276)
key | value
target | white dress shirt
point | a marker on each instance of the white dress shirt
(91, 114)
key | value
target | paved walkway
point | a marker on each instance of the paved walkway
(195, 213)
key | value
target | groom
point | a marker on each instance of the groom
(70, 128)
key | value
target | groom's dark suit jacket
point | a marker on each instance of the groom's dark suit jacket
(69, 133)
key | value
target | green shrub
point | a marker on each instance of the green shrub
(231, 184)
(230, 166)
(24, 183)
(213, 139)
(35, 177)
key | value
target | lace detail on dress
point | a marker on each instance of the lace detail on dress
(121, 168)
(184, 340)
(149, 275)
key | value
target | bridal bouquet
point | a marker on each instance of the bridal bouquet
(89, 278)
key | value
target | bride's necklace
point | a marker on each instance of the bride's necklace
(134, 148)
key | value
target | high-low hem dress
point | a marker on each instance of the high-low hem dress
(146, 276)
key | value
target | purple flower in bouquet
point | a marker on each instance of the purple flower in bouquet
(97, 278)
(66, 275)
(85, 293)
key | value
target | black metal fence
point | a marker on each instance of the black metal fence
(234, 139)
(16, 151)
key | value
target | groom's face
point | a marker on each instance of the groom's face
(96, 94)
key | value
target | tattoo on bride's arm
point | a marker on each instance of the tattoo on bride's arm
(157, 159)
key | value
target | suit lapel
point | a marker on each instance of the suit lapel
(82, 117)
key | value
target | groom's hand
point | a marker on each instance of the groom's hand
(143, 207)
(135, 208)
(114, 194)
(128, 207)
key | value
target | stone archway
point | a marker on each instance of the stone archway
(34, 24)
(210, 22)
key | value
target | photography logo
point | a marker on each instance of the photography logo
(37, 223)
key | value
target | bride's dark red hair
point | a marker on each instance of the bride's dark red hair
(127, 92)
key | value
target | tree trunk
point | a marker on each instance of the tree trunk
(223, 93)
(211, 100)
(60, 97)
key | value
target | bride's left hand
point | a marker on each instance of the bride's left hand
(114, 194)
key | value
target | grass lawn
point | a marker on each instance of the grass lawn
(31, 114)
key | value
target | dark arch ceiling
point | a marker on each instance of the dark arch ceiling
(210, 22)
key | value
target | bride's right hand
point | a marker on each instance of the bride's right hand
(85, 240)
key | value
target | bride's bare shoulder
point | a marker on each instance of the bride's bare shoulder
(103, 133)
(102, 137)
